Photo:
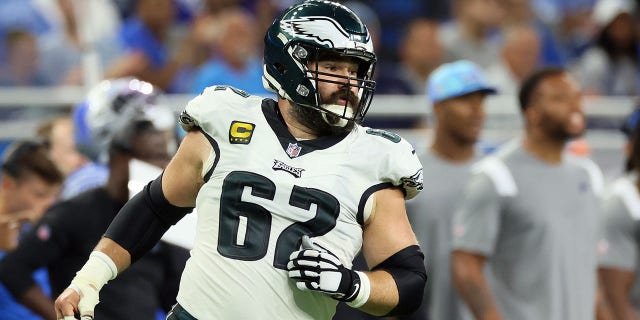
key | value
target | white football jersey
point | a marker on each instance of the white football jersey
(264, 190)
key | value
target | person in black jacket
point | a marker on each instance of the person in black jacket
(123, 122)
(29, 183)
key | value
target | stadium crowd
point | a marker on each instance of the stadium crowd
(183, 46)
(480, 47)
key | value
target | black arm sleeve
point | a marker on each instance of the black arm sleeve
(144, 219)
(408, 271)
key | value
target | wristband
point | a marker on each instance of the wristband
(363, 293)
(98, 270)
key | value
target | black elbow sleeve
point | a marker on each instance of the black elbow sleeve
(408, 271)
(144, 219)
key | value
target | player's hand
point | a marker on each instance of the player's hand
(317, 269)
(76, 300)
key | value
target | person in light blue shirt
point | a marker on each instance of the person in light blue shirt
(145, 38)
(235, 61)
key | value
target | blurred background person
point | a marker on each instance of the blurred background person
(530, 213)
(29, 184)
(205, 26)
(146, 40)
(518, 57)
(473, 33)
(67, 32)
(235, 59)
(521, 12)
(20, 68)
(610, 66)
(78, 30)
(457, 91)
(620, 245)
(125, 124)
(20, 15)
(420, 52)
(79, 171)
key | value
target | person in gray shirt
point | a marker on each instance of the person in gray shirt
(530, 215)
(457, 91)
(620, 244)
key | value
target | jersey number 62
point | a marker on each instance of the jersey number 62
(258, 219)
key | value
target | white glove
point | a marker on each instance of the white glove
(317, 269)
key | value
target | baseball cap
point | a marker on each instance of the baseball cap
(456, 79)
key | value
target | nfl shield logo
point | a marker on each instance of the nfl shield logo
(293, 150)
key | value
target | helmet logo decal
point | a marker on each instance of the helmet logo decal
(279, 165)
(323, 30)
(293, 150)
(240, 132)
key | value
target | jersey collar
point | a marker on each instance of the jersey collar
(285, 137)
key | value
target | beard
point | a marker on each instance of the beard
(314, 119)
(558, 130)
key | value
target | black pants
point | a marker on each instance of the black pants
(179, 313)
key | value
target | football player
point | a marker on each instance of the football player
(287, 191)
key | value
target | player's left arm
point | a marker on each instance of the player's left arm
(394, 286)
(390, 247)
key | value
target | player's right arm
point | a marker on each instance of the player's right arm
(139, 225)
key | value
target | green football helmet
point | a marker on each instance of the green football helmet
(306, 31)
